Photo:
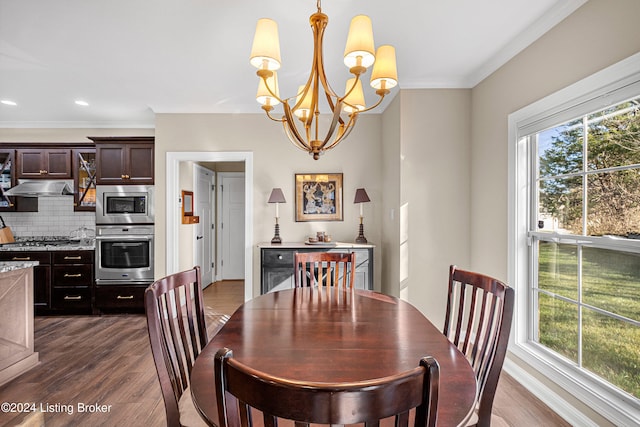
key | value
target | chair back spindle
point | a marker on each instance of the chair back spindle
(324, 269)
(177, 332)
(478, 322)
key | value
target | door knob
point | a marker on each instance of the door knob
(199, 237)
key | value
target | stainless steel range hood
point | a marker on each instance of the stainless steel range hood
(40, 188)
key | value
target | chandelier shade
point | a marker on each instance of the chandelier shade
(301, 119)
(360, 48)
(265, 52)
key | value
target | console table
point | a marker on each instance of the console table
(277, 269)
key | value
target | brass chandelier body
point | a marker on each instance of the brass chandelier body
(302, 113)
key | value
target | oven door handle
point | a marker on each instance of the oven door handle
(125, 238)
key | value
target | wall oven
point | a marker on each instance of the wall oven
(124, 204)
(124, 254)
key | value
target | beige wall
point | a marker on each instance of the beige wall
(434, 192)
(275, 162)
(597, 35)
(390, 210)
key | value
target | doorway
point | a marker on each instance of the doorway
(173, 211)
(230, 225)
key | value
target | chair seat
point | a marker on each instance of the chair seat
(189, 416)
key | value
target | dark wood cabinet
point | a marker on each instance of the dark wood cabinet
(122, 161)
(41, 275)
(120, 297)
(43, 163)
(62, 281)
(277, 267)
(72, 281)
(8, 180)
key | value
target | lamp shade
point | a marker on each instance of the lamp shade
(276, 196)
(361, 196)
(360, 43)
(355, 100)
(385, 73)
(265, 51)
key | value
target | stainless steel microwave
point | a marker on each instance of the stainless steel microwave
(124, 204)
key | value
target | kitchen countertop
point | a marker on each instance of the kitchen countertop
(6, 248)
(16, 265)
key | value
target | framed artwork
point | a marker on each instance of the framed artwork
(319, 197)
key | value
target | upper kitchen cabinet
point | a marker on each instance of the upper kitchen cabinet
(84, 179)
(8, 180)
(124, 160)
(43, 163)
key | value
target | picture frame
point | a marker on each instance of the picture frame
(318, 197)
(187, 208)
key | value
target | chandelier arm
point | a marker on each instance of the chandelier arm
(272, 93)
(373, 106)
(273, 118)
(347, 130)
(320, 25)
(292, 139)
(289, 124)
(332, 127)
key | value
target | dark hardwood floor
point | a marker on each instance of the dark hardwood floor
(105, 361)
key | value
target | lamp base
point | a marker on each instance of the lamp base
(361, 238)
(276, 238)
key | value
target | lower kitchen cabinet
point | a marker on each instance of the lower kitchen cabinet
(63, 280)
(72, 280)
(277, 269)
(119, 297)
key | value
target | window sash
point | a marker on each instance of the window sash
(609, 86)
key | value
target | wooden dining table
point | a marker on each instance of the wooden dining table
(335, 335)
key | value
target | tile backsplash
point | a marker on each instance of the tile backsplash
(55, 217)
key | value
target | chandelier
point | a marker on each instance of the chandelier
(301, 118)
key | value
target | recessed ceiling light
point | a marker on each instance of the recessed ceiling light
(83, 103)
(7, 102)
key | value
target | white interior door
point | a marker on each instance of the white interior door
(205, 236)
(231, 189)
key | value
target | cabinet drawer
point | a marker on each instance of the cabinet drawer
(41, 257)
(72, 275)
(120, 296)
(73, 257)
(278, 258)
(71, 298)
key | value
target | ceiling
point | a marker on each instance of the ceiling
(131, 59)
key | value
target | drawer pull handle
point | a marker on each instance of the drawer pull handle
(124, 297)
(73, 297)
(17, 258)
(279, 256)
(73, 257)
(72, 275)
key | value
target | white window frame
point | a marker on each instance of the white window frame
(611, 85)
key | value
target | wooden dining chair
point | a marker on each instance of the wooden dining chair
(325, 269)
(178, 333)
(410, 395)
(478, 322)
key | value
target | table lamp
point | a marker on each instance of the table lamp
(361, 197)
(276, 197)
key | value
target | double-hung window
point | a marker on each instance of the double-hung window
(575, 238)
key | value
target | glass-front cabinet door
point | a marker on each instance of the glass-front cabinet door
(6, 179)
(84, 167)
